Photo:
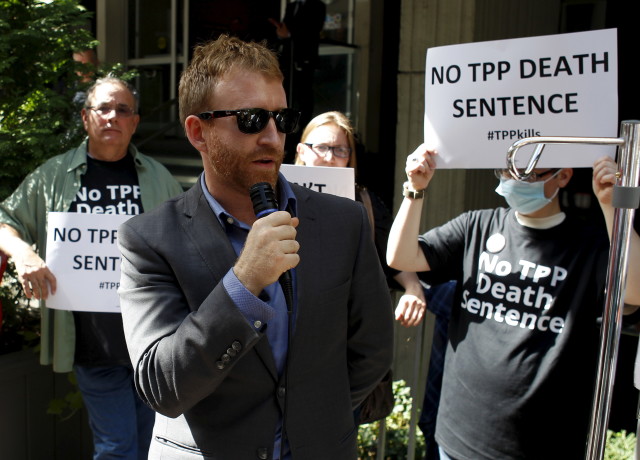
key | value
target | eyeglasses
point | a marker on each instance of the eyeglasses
(123, 111)
(533, 177)
(337, 151)
(252, 121)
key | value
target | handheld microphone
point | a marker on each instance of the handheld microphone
(264, 202)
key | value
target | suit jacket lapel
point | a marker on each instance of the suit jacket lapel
(206, 233)
(203, 228)
(309, 236)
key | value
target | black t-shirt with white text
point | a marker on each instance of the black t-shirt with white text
(522, 351)
(108, 187)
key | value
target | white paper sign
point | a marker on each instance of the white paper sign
(82, 253)
(324, 179)
(482, 97)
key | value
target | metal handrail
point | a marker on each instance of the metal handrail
(165, 127)
(157, 133)
(540, 143)
(625, 204)
(163, 105)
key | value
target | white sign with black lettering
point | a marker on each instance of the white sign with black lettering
(323, 179)
(82, 253)
(482, 97)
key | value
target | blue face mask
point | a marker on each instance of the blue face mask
(525, 197)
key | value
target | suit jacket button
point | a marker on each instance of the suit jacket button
(263, 454)
(225, 358)
(231, 352)
(281, 392)
(237, 346)
(220, 365)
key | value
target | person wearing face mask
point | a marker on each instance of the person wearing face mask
(522, 349)
(527, 196)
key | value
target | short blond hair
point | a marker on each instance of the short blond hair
(212, 61)
(341, 121)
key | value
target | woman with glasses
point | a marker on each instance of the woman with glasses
(329, 140)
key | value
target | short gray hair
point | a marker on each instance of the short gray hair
(110, 79)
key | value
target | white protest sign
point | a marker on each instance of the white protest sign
(324, 179)
(482, 97)
(82, 253)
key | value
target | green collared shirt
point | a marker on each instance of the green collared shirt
(52, 187)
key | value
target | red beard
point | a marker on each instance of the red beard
(229, 164)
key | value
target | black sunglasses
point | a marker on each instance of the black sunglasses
(252, 121)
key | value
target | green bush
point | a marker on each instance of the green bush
(38, 82)
(619, 445)
(40, 85)
(38, 116)
(20, 321)
(397, 429)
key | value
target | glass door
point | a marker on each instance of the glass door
(156, 38)
(333, 88)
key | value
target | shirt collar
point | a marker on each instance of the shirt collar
(287, 202)
(80, 155)
(541, 223)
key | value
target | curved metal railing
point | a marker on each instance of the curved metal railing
(626, 199)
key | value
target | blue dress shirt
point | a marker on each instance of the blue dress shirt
(269, 310)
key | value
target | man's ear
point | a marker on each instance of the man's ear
(193, 128)
(84, 114)
(564, 176)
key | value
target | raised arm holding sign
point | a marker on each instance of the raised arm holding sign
(530, 279)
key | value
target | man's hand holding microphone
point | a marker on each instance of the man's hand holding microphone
(271, 248)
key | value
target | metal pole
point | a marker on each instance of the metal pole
(614, 295)
(626, 196)
(417, 362)
(382, 439)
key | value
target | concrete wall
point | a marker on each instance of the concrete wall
(111, 30)
(27, 431)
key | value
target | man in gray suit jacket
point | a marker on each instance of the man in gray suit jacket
(232, 370)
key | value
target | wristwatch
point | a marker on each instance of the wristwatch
(410, 193)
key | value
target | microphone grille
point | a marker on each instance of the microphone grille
(263, 198)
